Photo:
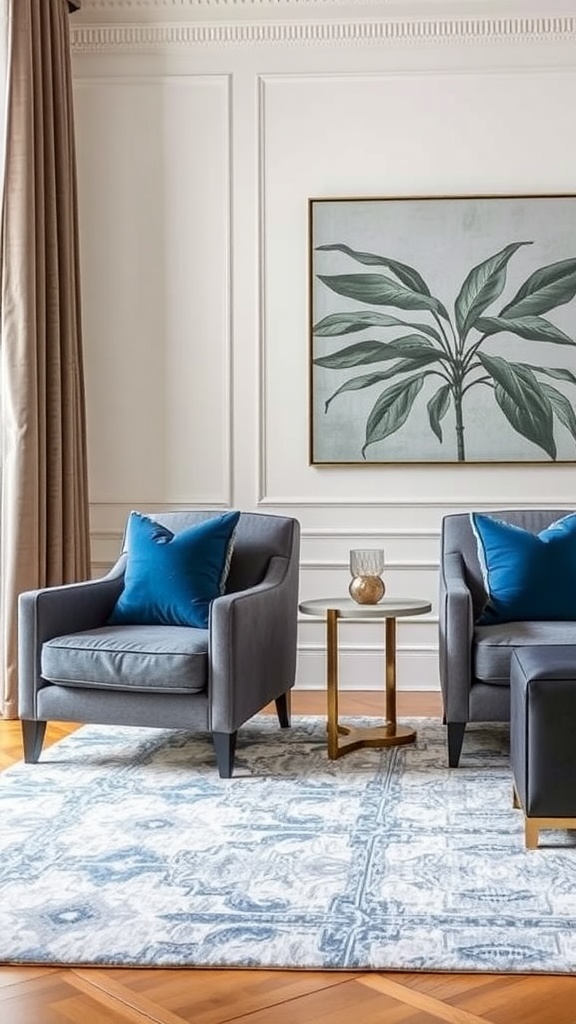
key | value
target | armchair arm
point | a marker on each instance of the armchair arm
(456, 631)
(54, 611)
(253, 641)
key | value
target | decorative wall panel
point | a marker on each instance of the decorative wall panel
(154, 182)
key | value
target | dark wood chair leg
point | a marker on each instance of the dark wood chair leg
(32, 740)
(283, 709)
(455, 741)
(225, 747)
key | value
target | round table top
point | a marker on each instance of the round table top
(387, 608)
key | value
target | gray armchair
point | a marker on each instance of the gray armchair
(475, 660)
(74, 667)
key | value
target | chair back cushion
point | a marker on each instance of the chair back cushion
(458, 537)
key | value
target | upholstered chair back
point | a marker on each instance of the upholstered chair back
(258, 538)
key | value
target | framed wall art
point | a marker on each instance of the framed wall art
(442, 329)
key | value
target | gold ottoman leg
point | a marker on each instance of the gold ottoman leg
(531, 831)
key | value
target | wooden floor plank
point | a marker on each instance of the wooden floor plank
(55, 1000)
(17, 975)
(523, 999)
(422, 1001)
(209, 996)
(351, 1003)
(500, 998)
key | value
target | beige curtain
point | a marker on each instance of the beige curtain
(44, 510)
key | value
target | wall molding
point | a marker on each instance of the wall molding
(178, 5)
(320, 648)
(177, 36)
(346, 533)
(394, 565)
(410, 8)
(451, 504)
(147, 507)
(360, 667)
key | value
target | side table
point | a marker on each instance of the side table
(342, 739)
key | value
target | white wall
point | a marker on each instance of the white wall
(203, 128)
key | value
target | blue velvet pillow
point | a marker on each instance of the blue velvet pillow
(527, 575)
(171, 578)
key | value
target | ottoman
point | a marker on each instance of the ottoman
(543, 737)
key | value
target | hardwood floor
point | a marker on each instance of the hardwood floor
(30, 995)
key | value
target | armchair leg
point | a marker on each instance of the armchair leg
(32, 739)
(455, 741)
(283, 709)
(225, 747)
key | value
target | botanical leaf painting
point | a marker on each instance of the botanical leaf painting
(466, 362)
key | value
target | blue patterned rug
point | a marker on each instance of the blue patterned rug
(123, 847)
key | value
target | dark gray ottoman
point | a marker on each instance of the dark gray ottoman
(543, 737)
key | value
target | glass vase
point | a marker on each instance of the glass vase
(366, 568)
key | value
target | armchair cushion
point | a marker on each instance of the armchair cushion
(494, 646)
(171, 579)
(151, 659)
(527, 576)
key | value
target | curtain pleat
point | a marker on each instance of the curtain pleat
(44, 524)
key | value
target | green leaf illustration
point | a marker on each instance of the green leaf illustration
(523, 401)
(364, 352)
(348, 323)
(562, 407)
(545, 289)
(382, 291)
(367, 380)
(437, 408)
(357, 355)
(407, 275)
(391, 410)
(531, 405)
(533, 328)
(557, 372)
(483, 285)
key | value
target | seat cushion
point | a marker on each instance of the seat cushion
(493, 645)
(153, 659)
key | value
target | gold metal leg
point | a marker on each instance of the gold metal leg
(342, 738)
(391, 671)
(532, 826)
(332, 680)
(531, 830)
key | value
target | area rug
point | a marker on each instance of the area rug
(123, 847)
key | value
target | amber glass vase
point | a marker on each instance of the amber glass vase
(366, 568)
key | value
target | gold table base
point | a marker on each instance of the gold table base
(352, 738)
(343, 739)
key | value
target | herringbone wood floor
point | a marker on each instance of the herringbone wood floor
(31, 995)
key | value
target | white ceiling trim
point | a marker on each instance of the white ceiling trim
(407, 6)
(110, 38)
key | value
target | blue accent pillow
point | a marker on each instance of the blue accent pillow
(172, 578)
(527, 575)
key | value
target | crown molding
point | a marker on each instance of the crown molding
(406, 7)
(105, 38)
